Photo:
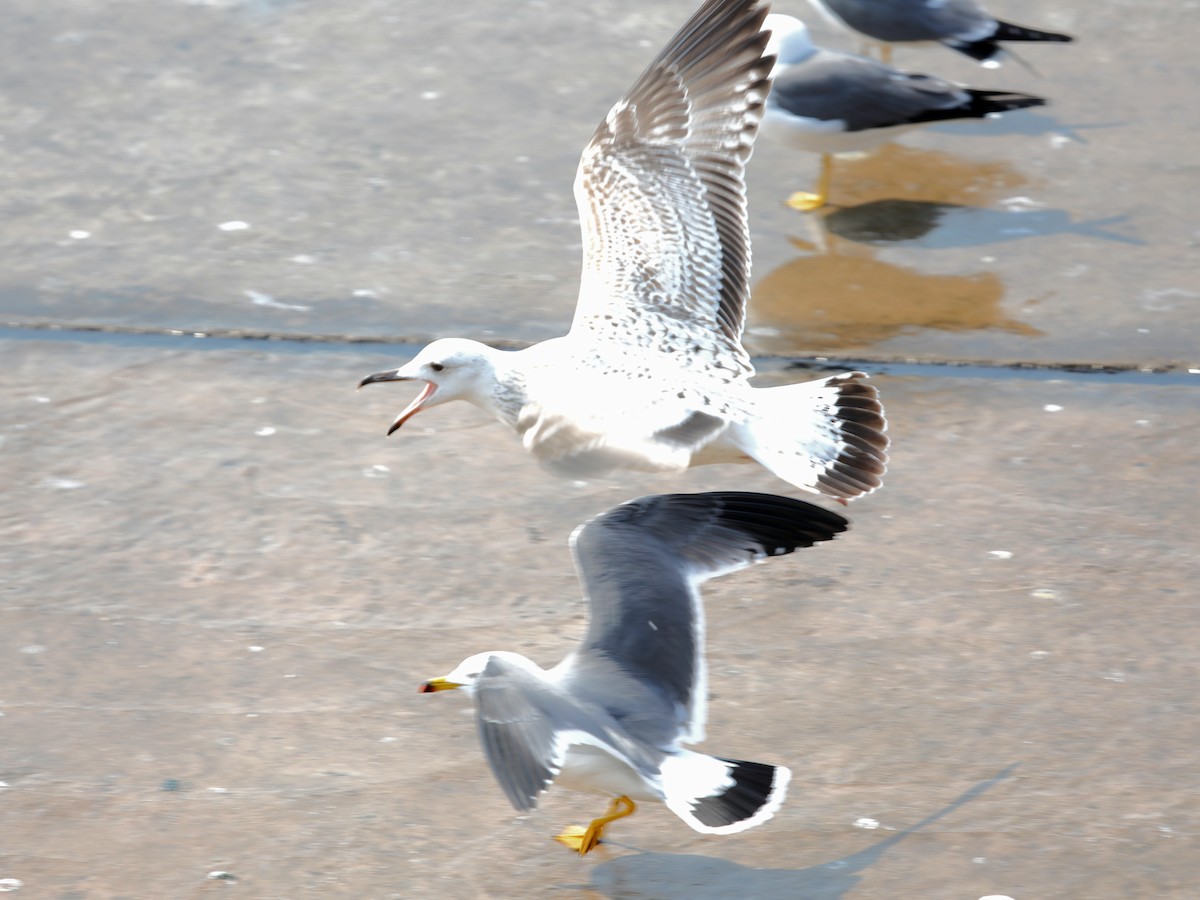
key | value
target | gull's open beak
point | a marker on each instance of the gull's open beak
(389, 375)
(413, 408)
(437, 684)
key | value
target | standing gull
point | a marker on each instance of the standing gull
(827, 102)
(612, 717)
(652, 374)
(961, 25)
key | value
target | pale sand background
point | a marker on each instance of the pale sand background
(220, 584)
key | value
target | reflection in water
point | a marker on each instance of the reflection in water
(943, 225)
(931, 175)
(1034, 123)
(841, 297)
(845, 298)
(665, 875)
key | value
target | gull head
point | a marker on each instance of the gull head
(789, 39)
(452, 369)
(468, 672)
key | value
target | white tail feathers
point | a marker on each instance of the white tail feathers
(824, 436)
(722, 796)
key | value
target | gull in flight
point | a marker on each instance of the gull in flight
(961, 25)
(828, 102)
(612, 718)
(652, 374)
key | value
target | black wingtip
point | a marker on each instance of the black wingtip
(755, 790)
(779, 524)
(858, 415)
(1007, 31)
(988, 50)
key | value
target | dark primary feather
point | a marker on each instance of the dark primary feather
(1007, 31)
(989, 48)
(637, 563)
(753, 785)
(984, 103)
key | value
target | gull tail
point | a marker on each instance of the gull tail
(823, 436)
(989, 103)
(987, 50)
(1006, 31)
(980, 104)
(722, 796)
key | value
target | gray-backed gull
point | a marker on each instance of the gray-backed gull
(962, 25)
(612, 718)
(828, 102)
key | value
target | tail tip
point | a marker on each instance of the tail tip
(755, 795)
(861, 427)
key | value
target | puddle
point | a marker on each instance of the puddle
(848, 299)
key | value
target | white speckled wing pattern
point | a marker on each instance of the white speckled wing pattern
(662, 198)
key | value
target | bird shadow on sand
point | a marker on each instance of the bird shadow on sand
(665, 876)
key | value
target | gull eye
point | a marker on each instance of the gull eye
(437, 367)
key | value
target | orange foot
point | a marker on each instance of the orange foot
(584, 840)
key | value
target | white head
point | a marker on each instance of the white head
(452, 369)
(468, 672)
(789, 39)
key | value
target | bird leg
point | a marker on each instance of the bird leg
(868, 48)
(806, 202)
(584, 840)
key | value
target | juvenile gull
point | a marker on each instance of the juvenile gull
(827, 102)
(612, 718)
(961, 25)
(652, 374)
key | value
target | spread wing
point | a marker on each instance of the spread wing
(641, 565)
(662, 198)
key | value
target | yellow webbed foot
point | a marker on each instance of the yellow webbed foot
(584, 840)
(805, 202)
(581, 840)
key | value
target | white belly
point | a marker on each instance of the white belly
(814, 136)
(593, 771)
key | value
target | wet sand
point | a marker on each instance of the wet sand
(220, 584)
(223, 584)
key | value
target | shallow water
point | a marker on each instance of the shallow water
(222, 165)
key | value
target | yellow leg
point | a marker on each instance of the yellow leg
(885, 54)
(584, 840)
(806, 202)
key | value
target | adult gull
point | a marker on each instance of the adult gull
(612, 718)
(962, 25)
(653, 375)
(827, 102)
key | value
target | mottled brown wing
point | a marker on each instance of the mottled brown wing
(662, 197)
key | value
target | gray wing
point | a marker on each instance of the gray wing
(864, 94)
(525, 725)
(913, 20)
(662, 196)
(640, 564)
